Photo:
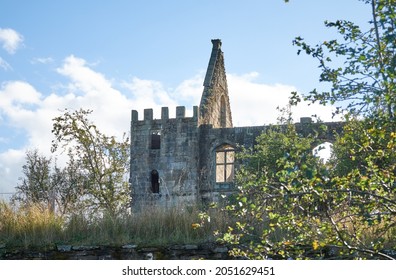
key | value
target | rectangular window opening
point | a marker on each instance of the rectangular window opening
(155, 141)
(225, 157)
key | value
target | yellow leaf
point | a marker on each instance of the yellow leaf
(195, 226)
(315, 244)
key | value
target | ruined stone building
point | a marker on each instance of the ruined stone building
(188, 160)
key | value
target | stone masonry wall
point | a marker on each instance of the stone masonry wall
(211, 138)
(215, 107)
(207, 251)
(176, 160)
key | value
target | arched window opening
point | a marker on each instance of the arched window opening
(225, 157)
(154, 181)
(323, 151)
(223, 112)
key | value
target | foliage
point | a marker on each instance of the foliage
(47, 186)
(35, 186)
(298, 208)
(93, 179)
(364, 140)
(68, 187)
(101, 160)
(290, 205)
(364, 81)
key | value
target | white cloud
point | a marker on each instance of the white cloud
(82, 77)
(90, 89)
(11, 163)
(145, 94)
(4, 64)
(42, 60)
(18, 92)
(191, 90)
(10, 39)
(254, 103)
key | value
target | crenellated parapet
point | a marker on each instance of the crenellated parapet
(148, 115)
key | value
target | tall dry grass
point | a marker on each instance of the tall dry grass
(29, 226)
(157, 226)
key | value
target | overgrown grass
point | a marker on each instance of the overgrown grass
(28, 226)
(35, 227)
(31, 227)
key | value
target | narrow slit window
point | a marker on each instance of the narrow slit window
(223, 112)
(154, 181)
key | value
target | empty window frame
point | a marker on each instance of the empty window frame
(154, 181)
(155, 140)
(225, 157)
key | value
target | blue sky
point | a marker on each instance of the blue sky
(114, 56)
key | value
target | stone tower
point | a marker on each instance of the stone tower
(215, 104)
(165, 165)
(164, 159)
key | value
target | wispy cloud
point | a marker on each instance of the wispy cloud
(10, 39)
(42, 60)
(4, 64)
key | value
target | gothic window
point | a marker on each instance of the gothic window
(156, 140)
(154, 181)
(223, 112)
(225, 156)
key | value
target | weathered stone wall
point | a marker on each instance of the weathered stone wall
(185, 156)
(175, 160)
(211, 138)
(208, 251)
(215, 106)
(205, 251)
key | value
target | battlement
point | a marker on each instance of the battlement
(148, 114)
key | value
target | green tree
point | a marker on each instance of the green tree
(35, 185)
(360, 68)
(297, 207)
(101, 160)
(48, 186)
(363, 139)
(279, 204)
(364, 81)
(68, 187)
